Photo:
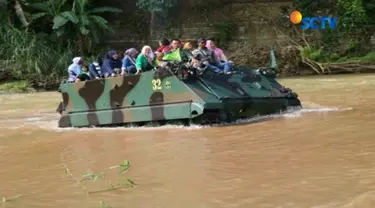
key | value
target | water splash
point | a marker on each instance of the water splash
(362, 200)
(49, 121)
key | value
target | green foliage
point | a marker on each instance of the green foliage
(368, 58)
(16, 87)
(79, 21)
(352, 16)
(369, 6)
(205, 8)
(330, 37)
(224, 31)
(354, 26)
(25, 55)
(334, 57)
(325, 56)
(310, 53)
(91, 176)
(308, 7)
(156, 5)
(3, 10)
(104, 205)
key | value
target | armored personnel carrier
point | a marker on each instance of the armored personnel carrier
(175, 92)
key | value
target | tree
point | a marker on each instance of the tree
(20, 13)
(156, 5)
(158, 9)
(79, 21)
(352, 16)
(10, 7)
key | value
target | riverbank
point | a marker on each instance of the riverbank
(42, 64)
(22, 86)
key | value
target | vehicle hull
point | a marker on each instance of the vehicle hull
(162, 96)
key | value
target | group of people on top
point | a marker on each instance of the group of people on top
(133, 62)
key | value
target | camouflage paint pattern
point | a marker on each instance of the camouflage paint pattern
(161, 95)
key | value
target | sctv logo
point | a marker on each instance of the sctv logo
(312, 22)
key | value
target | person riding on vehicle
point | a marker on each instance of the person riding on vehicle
(75, 69)
(218, 52)
(111, 64)
(145, 60)
(207, 57)
(128, 63)
(84, 75)
(164, 46)
(177, 53)
(95, 69)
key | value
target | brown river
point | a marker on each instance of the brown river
(322, 156)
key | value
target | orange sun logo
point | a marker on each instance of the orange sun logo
(295, 17)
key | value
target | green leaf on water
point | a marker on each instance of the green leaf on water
(98, 176)
(104, 205)
(131, 182)
(11, 198)
(125, 181)
(89, 175)
(66, 171)
(124, 166)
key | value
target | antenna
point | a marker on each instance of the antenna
(273, 59)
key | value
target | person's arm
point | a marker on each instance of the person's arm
(215, 58)
(196, 54)
(165, 49)
(71, 74)
(139, 63)
(222, 56)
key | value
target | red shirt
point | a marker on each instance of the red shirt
(163, 49)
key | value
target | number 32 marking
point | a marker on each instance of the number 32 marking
(156, 84)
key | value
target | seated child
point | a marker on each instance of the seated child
(84, 76)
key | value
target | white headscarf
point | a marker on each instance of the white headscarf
(150, 54)
(74, 69)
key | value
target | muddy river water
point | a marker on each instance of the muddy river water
(320, 157)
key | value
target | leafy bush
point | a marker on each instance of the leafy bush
(25, 55)
(79, 21)
(156, 5)
(224, 31)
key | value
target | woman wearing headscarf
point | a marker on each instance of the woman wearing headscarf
(145, 60)
(75, 69)
(128, 63)
(164, 46)
(111, 64)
